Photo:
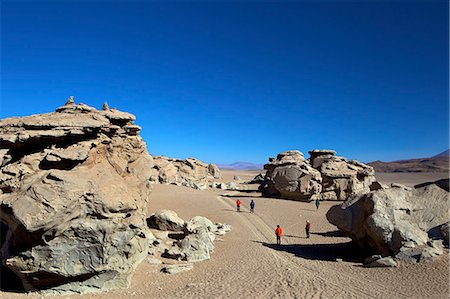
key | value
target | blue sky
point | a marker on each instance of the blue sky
(240, 81)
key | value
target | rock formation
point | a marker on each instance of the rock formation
(191, 172)
(74, 190)
(394, 221)
(323, 175)
(341, 177)
(194, 239)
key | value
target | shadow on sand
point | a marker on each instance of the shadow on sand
(348, 252)
(335, 233)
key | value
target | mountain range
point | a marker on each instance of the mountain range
(242, 166)
(437, 163)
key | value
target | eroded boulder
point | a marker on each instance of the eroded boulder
(393, 221)
(75, 186)
(191, 172)
(290, 176)
(323, 175)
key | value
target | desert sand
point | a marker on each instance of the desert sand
(247, 264)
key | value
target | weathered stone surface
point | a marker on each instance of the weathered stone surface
(444, 184)
(290, 176)
(323, 176)
(341, 177)
(75, 190)
(191, 172)
(214, 171)
(382, 262)
(197, 246)
(444, 230)
(166, 220)
(177, 268)
(392, 220)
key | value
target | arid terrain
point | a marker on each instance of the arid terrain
(247, 264)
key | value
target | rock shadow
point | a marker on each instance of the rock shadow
(335, 234)
(348, 252)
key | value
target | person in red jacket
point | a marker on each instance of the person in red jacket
(238, 205)
(278, 233)
(307, 228)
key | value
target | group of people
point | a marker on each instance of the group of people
(279, 230)
(252, 206)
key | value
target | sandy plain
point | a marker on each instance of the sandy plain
(247, 264)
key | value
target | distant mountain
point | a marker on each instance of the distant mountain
(241, 166)
(443, 154)
(438, 163)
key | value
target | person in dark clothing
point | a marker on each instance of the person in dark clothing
(317, 203)
(307, 228)
(252, 206)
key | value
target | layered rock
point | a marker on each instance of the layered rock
(291, 176)
(191, 172)
(394, 221)
(323, 175)
(75, 186)
(341, 177)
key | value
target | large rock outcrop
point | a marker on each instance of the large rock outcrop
(323, 175)
(191, 172)
(75, 186)
(394, 221)
(290, 176)
(341, 177)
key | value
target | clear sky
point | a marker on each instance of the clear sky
(240, 81)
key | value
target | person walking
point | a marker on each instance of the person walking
(307, 228)
(238, 205)
(278, 233)
(317, 203)
(252, 206)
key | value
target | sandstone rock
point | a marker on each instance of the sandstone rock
(341, 178)
(231, 186)
(166, 220)
(197, 246)
(214, 171)
(323, 176)
(258, 179)
(236, 178)
(290, 176)
(392, 220)
(444, 230)
(396, 185)
(75, 190)
(177, 268)
(200, 221)
(190, 173)
(444, 184)
(382, 262)
(219, 185)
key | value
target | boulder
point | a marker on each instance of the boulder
(190, 173)
(443, 183)
(197, 246)
(290, 176)
(323, 175)
(74, 191)
(392, 220)
(214, 171)
(341, 177)
(444, 230)
(382, 262)
(236, 178)
(166, 220)
(177, 268)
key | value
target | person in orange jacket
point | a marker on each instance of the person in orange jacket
(238, 205)
(278, 233)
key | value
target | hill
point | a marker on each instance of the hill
(438, 163)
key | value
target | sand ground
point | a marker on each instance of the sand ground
(247, 264)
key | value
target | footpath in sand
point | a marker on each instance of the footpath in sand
(247, 263)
